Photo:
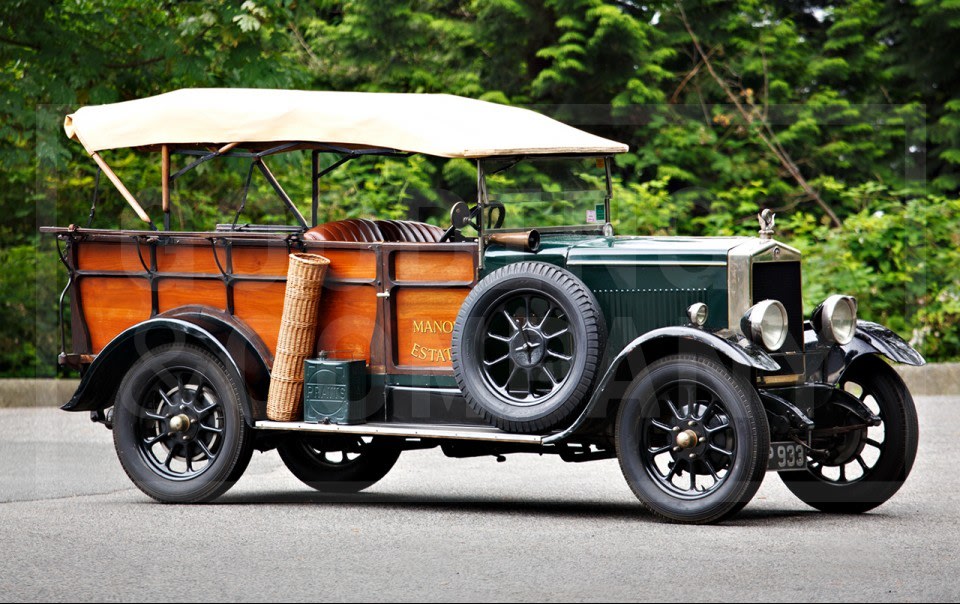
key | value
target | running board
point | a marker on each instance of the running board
(484, 433)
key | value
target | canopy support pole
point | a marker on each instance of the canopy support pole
(207, 157)
(280, 192)
(481, 204)
(315, 187)
(123, 189)
(318, 174)
(165, 185)
(608, 173)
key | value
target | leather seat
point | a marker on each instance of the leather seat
(430, 233)
(372, 231)
(345, 230)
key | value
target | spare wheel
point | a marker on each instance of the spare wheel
(527, 346)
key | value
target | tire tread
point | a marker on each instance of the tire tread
(596, 336)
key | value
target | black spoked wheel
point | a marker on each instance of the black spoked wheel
(529, 349)
(702, 460)
(692, 438)
(863, 465)
(339, 464)
(526, 346)
(179, 434)
(178, 427)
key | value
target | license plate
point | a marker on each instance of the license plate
(786, 456)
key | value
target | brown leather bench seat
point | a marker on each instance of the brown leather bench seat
(372, 231)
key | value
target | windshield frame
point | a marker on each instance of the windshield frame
(483, 198)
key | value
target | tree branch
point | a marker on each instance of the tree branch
(686, 79)
(770, 141)
(703, 104)
(303, 44)
(19, 43)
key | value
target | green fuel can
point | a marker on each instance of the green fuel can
(334, 391)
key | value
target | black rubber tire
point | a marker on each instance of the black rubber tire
(137, 395)
(891, 468)
(742, 422)
(306, 457)
(575, 305)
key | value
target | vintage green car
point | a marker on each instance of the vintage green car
(523, 325)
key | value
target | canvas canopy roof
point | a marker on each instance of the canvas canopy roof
(434, 124)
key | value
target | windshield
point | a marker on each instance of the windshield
(548, 192)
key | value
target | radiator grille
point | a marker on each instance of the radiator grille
(781, 281)
(632, 312)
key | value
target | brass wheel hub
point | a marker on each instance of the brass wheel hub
(687, 439)
(179, 423)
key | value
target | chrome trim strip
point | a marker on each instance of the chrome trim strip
(428, 389)
(408, 431)
(646, 263)
(740, 259)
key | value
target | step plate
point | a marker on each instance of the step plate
(408, 431)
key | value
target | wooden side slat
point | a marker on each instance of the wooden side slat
(111, 305)
(349, 264)
(260, 305)
(172, 293)
(109, 256)
(260, 260)
(188, 259)
(348, 317)
(433, 266)
(424, 324)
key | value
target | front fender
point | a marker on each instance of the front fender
(870, 339)
(100, 381)
(683, 338)
(873, 337)
(656, 344)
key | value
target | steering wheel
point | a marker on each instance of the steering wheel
(461, 216)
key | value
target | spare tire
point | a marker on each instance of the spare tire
(527, 346)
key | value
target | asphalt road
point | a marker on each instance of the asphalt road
(73, 528)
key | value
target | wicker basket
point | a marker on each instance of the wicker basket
(298, 329)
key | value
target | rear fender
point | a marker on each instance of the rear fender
(235, 345)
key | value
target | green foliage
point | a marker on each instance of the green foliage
(861, 96)
(899, 256)
(648, 208)
(29, 282)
